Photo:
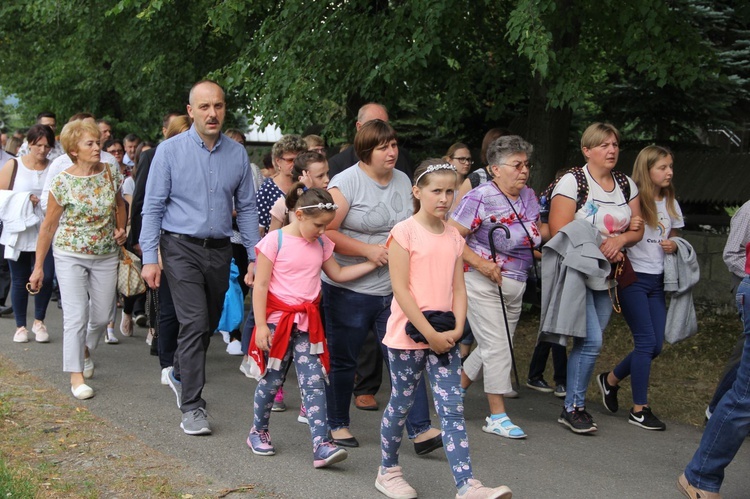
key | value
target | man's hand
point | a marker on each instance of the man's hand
(151, 273)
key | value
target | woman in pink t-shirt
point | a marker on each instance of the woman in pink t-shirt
(426, 271)
(286, 298)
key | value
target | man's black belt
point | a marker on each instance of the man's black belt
(206, 243)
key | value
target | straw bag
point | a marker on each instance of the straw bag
(129, 280)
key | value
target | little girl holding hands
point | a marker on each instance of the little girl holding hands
(426, 270)
(288, 325)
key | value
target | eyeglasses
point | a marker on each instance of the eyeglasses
(288, 161)
(463, 161)
(116, 151)
(519, 165)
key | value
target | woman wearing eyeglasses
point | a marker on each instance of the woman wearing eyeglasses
(283, 154)
(506, 199)
(459, 156)
(24, 178)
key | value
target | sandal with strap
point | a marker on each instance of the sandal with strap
(503, 427)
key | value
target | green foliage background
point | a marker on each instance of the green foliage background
(447, 69)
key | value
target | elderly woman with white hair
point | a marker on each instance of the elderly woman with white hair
(86, 217)
(506, 199)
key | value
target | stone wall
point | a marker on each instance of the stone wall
(713, 290)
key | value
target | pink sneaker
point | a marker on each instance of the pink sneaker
(302, 417)
(278, 401)
(478, 491)
(390, 481)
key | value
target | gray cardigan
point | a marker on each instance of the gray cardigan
(571, 262)
(681, 273)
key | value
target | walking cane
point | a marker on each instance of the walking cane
(493, 253)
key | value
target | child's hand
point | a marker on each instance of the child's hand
(441, 342)
(263, 338)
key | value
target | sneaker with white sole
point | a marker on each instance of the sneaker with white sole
(40, 332)
(327, 454)
(195, 422)
(175, 385)
(478, 491)
(561, 391)
(22, 335)
(609, 393)
(225, 336)
(391, 483)
(503, 427)
(539, 385)
(110, 338)
(141, 320)
(578, 420)
(126, 324)
(88, 368)
(165, 376)
(646, 420)
(278, 401)
(259, 442)
(234, 347)
(302, 416)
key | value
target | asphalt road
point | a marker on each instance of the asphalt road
(620, 461)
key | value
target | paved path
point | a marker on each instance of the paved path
(620, 461)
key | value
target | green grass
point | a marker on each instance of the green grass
(13, 484)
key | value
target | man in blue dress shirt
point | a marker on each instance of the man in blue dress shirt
(197, 178)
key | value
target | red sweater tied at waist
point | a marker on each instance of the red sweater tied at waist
(282, 334)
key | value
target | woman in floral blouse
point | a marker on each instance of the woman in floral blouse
(506, 199)
(81, 217)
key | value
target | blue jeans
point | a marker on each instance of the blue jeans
(20, 271)
(311, 382)
(407, 367)
(645, 310)
(348, 318)
(730, 422)
(585, 350)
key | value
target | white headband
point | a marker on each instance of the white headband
(321, 206)
(435, 168)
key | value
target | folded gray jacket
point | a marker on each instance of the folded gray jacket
(681, 273)
(571, 263)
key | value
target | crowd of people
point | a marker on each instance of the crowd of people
(354, 259)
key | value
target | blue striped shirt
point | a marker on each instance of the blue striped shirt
(191, 190)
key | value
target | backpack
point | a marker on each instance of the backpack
(545, 198)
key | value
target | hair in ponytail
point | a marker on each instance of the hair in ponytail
(300, 196)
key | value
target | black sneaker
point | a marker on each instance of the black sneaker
(579, 421)
(646, 420)
(609, 393)
(561, 391)
(539, 385)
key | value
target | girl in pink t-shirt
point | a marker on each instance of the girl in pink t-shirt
(426, 268)
(286, 297)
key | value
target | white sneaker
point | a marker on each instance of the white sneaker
(165, 376)
(225, 336)
(40, 332)
(234, 348)
(110, 337)
(126, 324)
(88, 368)
(22, 335)
(82, 391)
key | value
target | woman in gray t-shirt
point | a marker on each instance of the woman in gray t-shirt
(372, 197)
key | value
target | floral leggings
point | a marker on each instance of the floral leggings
(407, 367)
(311, 381)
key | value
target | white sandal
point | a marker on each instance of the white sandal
(496, 427)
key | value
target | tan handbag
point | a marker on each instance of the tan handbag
(129, 280)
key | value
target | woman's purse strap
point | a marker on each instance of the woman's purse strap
(13, 175)
(523, 226)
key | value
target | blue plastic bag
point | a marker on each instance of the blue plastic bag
(234, 305)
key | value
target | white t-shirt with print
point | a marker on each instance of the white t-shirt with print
(647, 256)
(608, 211)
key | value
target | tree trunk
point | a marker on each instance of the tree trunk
(547, 129)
